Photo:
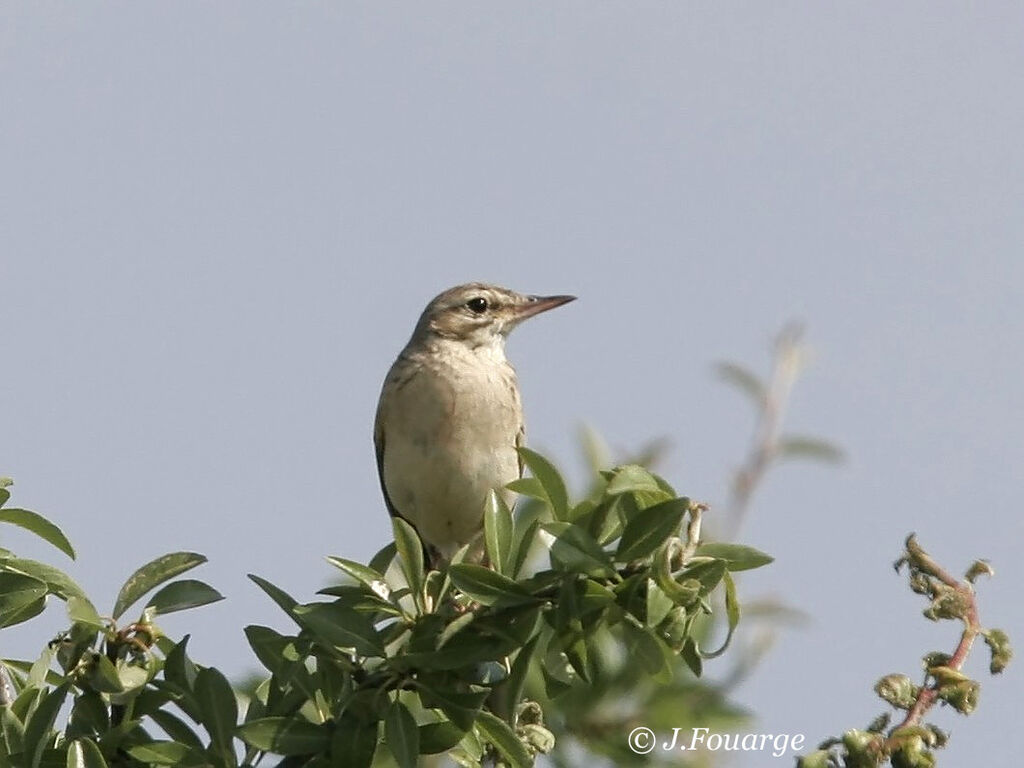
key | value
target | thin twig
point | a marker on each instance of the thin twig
(786, 364)
(929, 694)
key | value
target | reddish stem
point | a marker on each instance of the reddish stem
(928, 695)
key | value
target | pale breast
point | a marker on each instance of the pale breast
(450, 436)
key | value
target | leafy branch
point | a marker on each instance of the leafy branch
(397, 660)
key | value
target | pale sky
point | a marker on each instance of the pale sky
(219, 222)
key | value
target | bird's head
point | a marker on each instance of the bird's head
(479, 314)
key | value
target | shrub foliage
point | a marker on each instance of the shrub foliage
(394, 662)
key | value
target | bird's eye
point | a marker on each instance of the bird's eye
(477, 305)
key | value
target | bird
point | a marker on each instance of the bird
(450, 417)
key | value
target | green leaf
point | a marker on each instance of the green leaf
(163, 753)
(681, 593)
(454, 627)
(498, 733)
(269, 646)
(361, 599)
(83, 753)
(103, 675)
(285, 736)
(380, 561)
(652, 654)
(574, 549)
(691, 656)
(410, 550)
(40, 722)
(802, 447)
(649, 528)
(179, 670)
(529, 487)
(88, 715)
(17, 592)
(708, 574)
(732, 612)
(219, 710)
(658, 604)
(742, 379)
(40, 670)
(737, 556)
(182, 595)
(354, 742)
(498, 533)
(176, 728)
(59, 583)
(83, 612)
(550, 480)
(27, 612)
(341, 627)
(486, 586)
(40, 526)
(366, 576)
(525, 534)
(461, 708)
(402, 735)
(512, 688)
(594, 597)
(284, 601)
(132, 676)
(632, 478)
(153, 574)
(439, 737)
(578, 653)
(12, 730)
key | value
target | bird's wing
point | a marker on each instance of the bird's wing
(378, 444)
(520, 442)
(429, 553)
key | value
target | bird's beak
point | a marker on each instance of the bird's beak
(537, 304)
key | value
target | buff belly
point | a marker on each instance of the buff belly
(452, 442)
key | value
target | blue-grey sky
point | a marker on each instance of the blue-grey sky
(219, 222)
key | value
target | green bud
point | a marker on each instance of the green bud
(979, 567)
(962, 696)
(936, 659)
(897, 690)
(909, 732)
(998, 643)
(945, 675)
(948, 603)
(912, 753)
(529, 712)
(538, 739)
(820, 759)
(920, 583)
(862, 749)
(880, 723)
(939, 736)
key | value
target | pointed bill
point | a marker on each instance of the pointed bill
(538, 304)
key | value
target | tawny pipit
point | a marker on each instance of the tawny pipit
(450, 418)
